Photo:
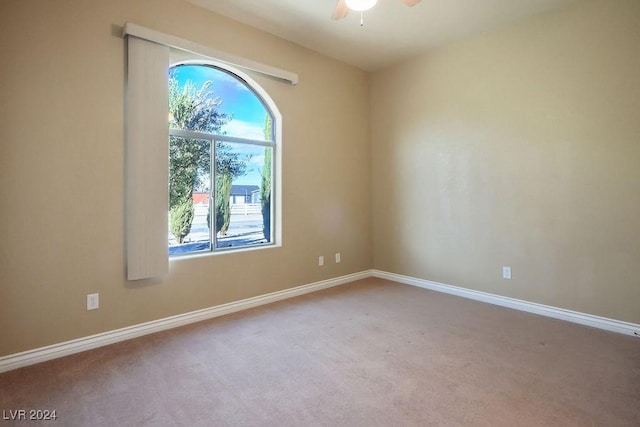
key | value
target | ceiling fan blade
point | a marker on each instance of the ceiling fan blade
(340, 11)
(411, 3)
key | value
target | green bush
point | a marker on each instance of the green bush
(181, 217)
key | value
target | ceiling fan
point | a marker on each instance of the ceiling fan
(343, 6)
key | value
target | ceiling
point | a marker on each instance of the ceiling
(391, 33)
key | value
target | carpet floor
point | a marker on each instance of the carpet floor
(370, 353)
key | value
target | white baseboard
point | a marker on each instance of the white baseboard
(530, 307)
(31, 357)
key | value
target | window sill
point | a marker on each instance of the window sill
(188, 256)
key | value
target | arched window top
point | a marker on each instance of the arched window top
(243, 112)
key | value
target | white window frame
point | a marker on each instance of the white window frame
(276, 156)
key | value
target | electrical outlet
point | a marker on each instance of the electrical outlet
(337, 257)
(506, 272)
(320, 261)
(93, 301)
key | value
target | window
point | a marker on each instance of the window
(149, 56)
(221, 168)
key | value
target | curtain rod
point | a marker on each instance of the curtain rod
(169, 40)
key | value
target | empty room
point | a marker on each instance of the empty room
(330, 212)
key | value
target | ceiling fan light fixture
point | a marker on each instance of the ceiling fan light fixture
(360, 5)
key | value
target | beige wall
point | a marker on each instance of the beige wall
(61, 170)
(520, 147)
